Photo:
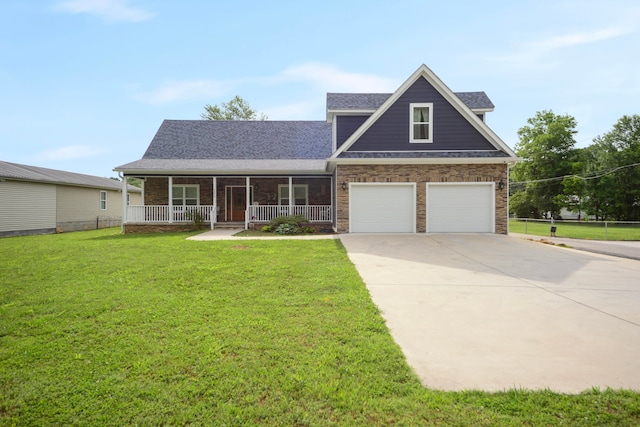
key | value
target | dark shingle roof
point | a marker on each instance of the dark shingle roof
(356, 101)
(241, 140)
(15, 171)
(372, 101)
(475, 100)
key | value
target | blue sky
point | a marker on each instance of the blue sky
(85, 84)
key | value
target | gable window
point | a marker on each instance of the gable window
(186, 195)
(421, 122)
(300, 194)
(103, 200)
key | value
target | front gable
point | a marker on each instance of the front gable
(391, 131)
(454, 127)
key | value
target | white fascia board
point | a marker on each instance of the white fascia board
(208, 172)
(331, 114)
(448, 94)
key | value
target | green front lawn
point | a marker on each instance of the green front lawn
(577, 230)
(97, 328)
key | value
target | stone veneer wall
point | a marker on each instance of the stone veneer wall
(422, 174)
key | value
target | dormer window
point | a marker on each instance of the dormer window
(421, 122)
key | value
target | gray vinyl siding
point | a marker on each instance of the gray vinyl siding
(451, 131)
(27, 207)
(346, 126)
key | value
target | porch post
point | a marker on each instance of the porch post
(333, 194)
(124, 201)
(215, 201)
(246, 213)
(170, 199)
(290, 196)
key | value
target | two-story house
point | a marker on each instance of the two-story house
(421, 159)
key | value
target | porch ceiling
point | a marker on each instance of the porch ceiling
(224, 166)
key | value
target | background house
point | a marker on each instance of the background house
(36, 200)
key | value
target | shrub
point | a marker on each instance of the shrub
(291, 220)
(266, 229)
(287, 229)
(307, 229)
(196, 217)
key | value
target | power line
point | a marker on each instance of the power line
(598, 174)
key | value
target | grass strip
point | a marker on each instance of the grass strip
(577, 230)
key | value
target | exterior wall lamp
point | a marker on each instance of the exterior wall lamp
(501, 185)
(344, 185)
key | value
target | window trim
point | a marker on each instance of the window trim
(103, 200)
(185, 186)
(306, 194)
(412, 106)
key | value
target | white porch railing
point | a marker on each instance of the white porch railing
(155, 213)
(256, 213)
(313, 213)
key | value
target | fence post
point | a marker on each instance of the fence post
(606, 231)
(526, 226)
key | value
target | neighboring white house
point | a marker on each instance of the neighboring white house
(35, 200)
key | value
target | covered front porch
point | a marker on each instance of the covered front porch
(183, 200)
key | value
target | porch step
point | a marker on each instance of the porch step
(229, 225)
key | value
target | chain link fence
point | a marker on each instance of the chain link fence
(594, 230)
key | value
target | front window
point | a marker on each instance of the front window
(421, 122)
(186, 195)
(103, 200)
(300, 194)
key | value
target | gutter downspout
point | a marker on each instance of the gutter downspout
(124, 200)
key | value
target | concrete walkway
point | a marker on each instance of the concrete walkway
(496, 312)
(228, 234)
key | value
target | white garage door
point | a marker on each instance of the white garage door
(460, 208)
(382, 208)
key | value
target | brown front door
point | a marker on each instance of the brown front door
(236, 203)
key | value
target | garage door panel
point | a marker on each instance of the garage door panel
(460, 208)
(382, 208)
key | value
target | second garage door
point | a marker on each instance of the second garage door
(382, 208)
(460, 208)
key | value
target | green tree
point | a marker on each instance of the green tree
(236, 109)
(546, 146)
(614, 192)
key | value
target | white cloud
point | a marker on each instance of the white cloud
(536, 55)
(297, 111)
(71, 152)
(182, 90)
(110, 10)
(575, 39)
(332, 79)
(319, 78)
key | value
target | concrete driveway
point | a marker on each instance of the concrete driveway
(496, 312)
